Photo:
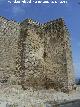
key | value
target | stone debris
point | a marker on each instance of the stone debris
(15, 96)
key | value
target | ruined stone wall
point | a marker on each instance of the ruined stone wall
(9, 32)
(32, 62)
(58, 56)
(39, 56)
(55, 55)
(69, 61)
(45, 55)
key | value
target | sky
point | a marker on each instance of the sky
(42, 13)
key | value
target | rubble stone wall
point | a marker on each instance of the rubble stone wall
(9, 32)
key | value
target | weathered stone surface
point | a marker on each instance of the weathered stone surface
(35, 55)
(9, 32)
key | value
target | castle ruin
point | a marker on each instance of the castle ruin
(36, 55)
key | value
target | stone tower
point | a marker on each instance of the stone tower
(35, 55)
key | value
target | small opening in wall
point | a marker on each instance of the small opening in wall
(0, 25)
(54, 71)
(44, 55)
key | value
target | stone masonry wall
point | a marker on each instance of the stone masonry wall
(39, 56)
(9, 32)
(58, 60)
(32, 62)
(55, 59)
(69, 61)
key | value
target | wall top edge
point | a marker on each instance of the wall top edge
(31, 21)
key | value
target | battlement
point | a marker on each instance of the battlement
(29, 21)
(5, 19)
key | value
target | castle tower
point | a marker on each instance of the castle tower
(37, 56)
